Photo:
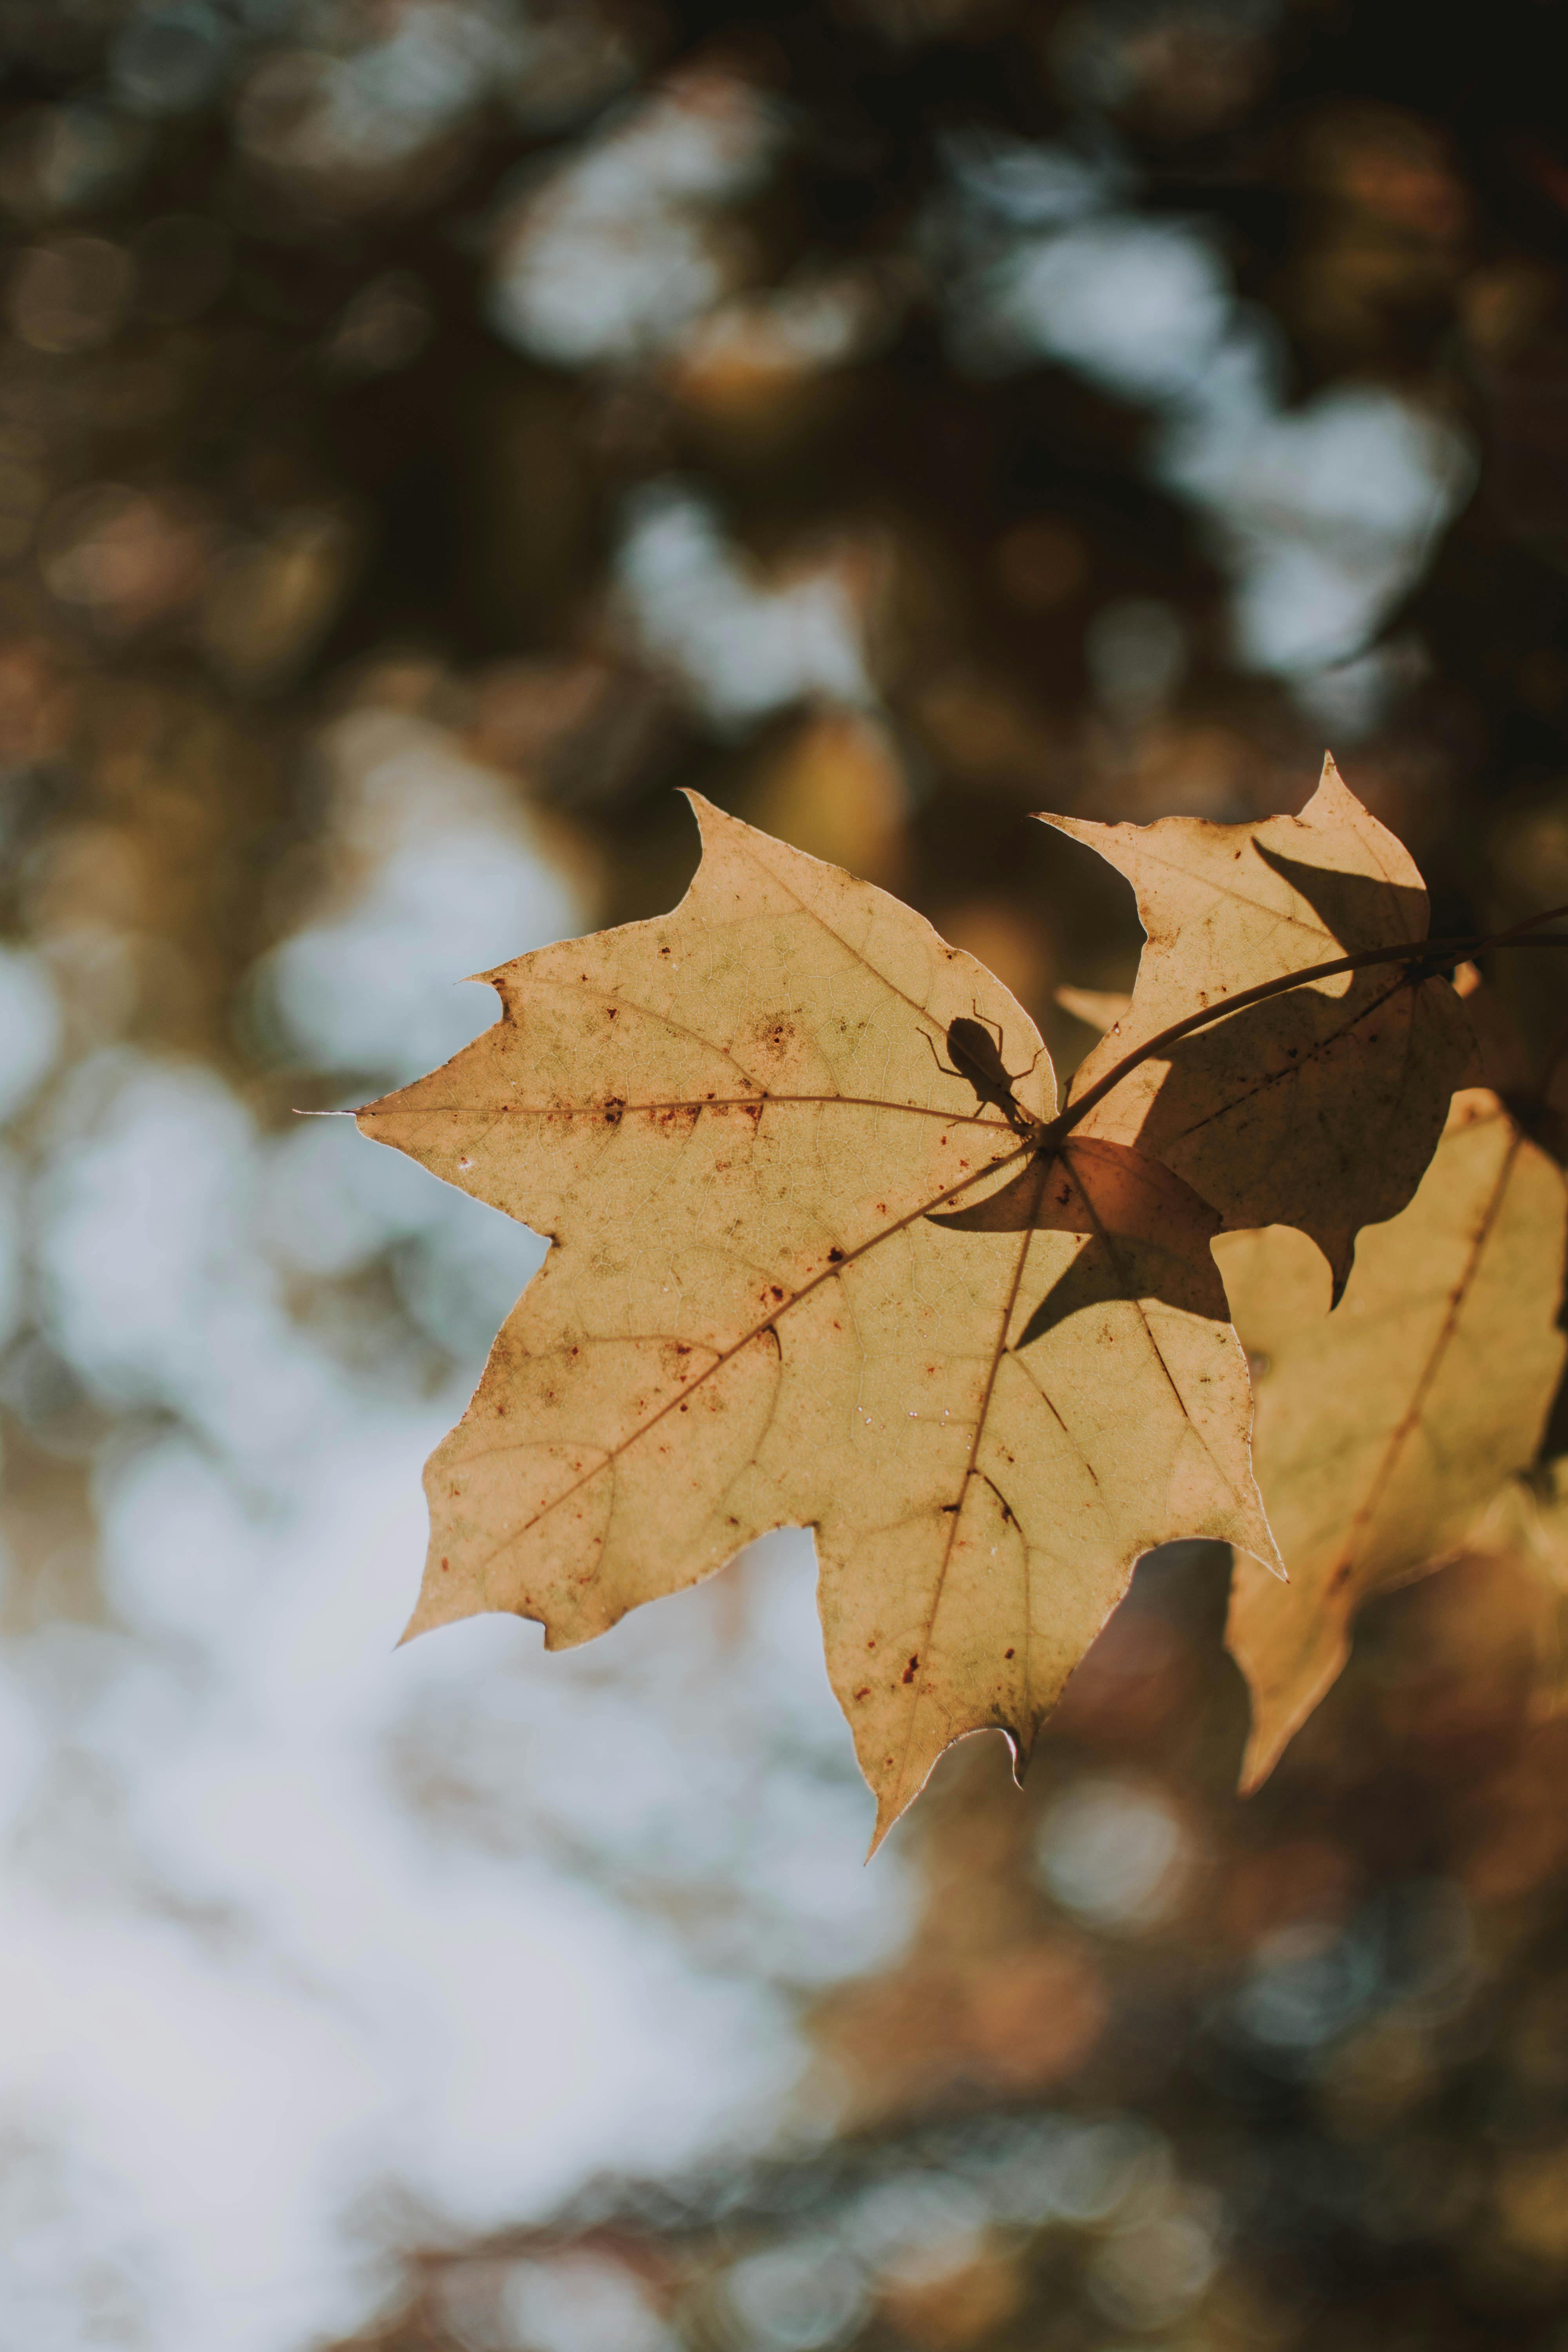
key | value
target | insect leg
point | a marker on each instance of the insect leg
(936, 1057)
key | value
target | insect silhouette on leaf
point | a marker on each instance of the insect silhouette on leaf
(977, 1057)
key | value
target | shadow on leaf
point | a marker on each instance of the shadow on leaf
(1146, 1232)
(1358, 911)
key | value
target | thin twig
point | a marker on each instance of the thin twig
(1426, 956)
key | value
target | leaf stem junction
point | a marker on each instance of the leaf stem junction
(1424, 960)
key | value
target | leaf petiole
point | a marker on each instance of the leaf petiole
(1426, 959)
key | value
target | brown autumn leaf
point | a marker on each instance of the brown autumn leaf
(809, 1270)
(1319, 1108)
(1384, 1427)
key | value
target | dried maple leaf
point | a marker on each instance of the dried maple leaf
(1382, 1427)
(1319, 1108)
(811, 1268)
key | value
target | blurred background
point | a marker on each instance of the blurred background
(430, 432)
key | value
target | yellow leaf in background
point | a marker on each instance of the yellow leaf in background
(810, 1269)
(1317, 1110)
(834, 787)
(1384, 1427)
(1526, 1526)
(1097, 1008)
